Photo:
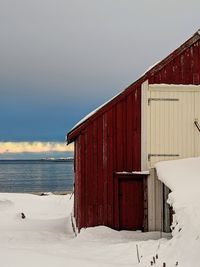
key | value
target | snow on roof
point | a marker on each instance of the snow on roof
(92, 113)
(151, 67)
(101, 106)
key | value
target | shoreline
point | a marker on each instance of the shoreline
(41, 193)
(36, 160)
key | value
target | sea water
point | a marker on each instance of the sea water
(36, 176)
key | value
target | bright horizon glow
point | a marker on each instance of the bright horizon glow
(34, 147)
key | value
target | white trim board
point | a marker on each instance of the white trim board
(173, 87)
(144, 123)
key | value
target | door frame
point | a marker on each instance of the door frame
(118, 176)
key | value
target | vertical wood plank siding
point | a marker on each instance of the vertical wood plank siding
(111, 140)
(183, 69)
(108, 144)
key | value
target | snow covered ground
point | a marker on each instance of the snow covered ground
(45, 237)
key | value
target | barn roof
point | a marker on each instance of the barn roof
(75, 131)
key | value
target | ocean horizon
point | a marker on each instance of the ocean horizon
(44, 175)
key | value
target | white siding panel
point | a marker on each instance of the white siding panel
(171, 130)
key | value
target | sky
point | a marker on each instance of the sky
(60, 59)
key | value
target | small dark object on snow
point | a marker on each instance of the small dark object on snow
(151, 262)
(43, 194)
(154, 260)
(164, 264)
(71, 195)
(177, 263)
(23, 215)
(138, 256)
(156, 256)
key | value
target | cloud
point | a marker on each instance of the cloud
(34, 147)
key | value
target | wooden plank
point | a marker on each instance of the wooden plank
(196, 70)
(124, 137)
(186, 67)
(105, 169)
(190, 65)
(78, 184)
(114, 124)
(197, 62)
(110, 133)
(79, 212)
(136, 139)
(176, 71)
(100, 172)
(75, 178)
(95, 172)
(115, 165)
(119, 154)
(89, 178)
(83, 174)
(169, 73)
(129, 133)
(116, 203)
(82, 203)
(145, 189)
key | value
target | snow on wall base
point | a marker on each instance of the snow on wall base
(183, 178)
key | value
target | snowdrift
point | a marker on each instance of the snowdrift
(183, 178)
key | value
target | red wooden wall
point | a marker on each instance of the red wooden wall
(108, 144)
(110, 141)
(183, 69)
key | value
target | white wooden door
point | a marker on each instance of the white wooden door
(172, 133)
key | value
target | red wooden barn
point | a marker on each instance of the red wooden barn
(116, 146)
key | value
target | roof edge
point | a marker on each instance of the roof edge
(72, 134)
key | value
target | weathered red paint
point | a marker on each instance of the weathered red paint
(110, 140)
